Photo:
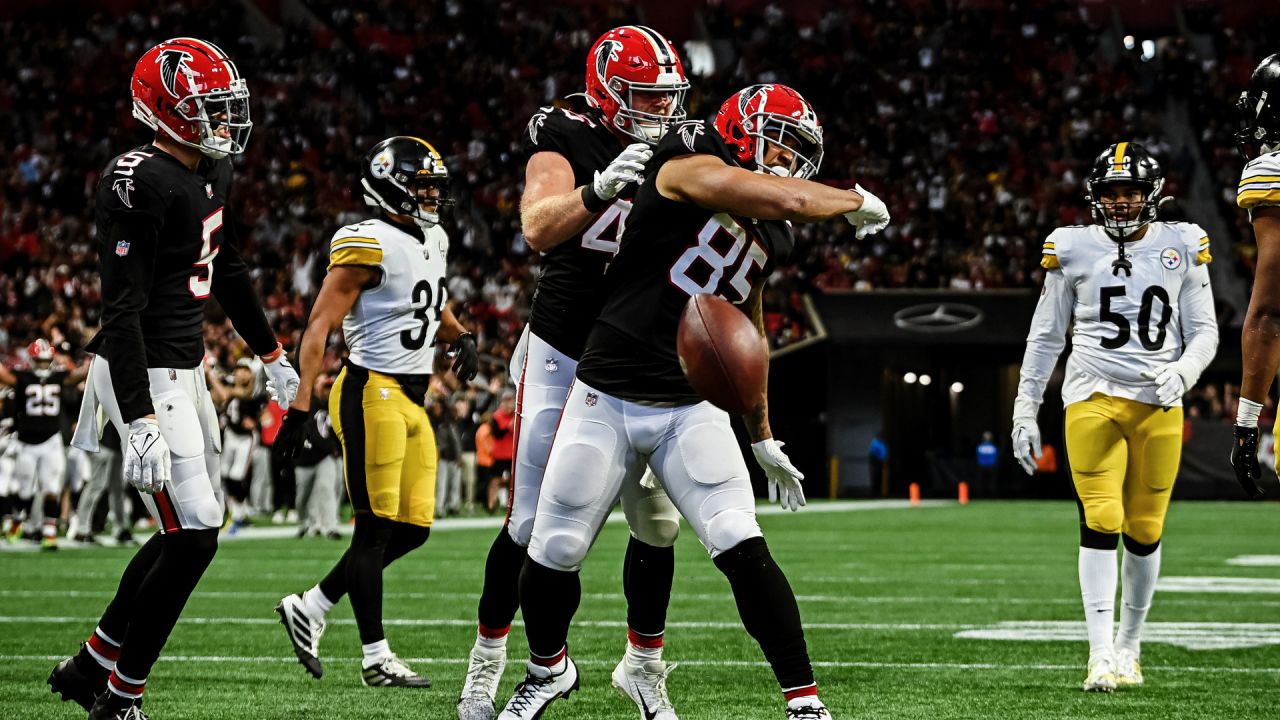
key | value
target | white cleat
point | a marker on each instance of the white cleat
(304, 632)
(1102, 675)
(810, 708)
(646, 686)
(539, 689)
(480, 691)
(391, 671)
(1128, 668)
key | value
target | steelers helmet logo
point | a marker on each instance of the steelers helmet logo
(381, 165)
(1170, 258)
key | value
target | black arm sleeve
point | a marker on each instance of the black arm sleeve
(233, 288)
(126, 285)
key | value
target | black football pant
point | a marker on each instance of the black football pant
(376, 543)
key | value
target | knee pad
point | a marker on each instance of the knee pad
(562, 551)
(538, 433)
(1104, 516)
(729, 527)
(1143, 533)
(193, 491)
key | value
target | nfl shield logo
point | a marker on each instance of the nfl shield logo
(173, 375)
(208, 190)
(551, 365)
(592, 399)
(384, 393)
(122, 248)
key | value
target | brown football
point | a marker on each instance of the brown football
(721, 353)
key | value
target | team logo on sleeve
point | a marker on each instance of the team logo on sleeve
(592, 399)
(1170, 258)
(124, 186)
(535, 123)
(689, 133)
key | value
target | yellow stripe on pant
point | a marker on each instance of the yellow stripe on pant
(1124, 459)
(388, 447)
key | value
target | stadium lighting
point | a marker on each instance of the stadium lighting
(957, 387)
(909, 378)
(1129, 42)
(925, 379)
(1148, 50)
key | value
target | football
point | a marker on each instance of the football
(722, 354)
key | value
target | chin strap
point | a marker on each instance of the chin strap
(1121, 263)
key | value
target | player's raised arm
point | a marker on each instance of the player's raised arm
(1045, 341)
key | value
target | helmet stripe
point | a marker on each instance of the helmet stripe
(1117, 162)
(428, 145)
(213, 51)
(659, 44)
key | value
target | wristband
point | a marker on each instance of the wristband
(1247, 413)
(273, 355)
(591, 201)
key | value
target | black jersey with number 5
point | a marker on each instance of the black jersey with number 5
(161, 235)
(570, 290)
(37, 399)
(670, 252)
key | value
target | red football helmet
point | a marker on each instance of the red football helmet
(763, 115)
(192, 91)
(634, 59)
(40, 353)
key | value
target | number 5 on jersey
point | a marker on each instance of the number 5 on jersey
(201, 282)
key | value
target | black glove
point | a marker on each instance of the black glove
(1244, 460)
(467, 362)
(293, 434)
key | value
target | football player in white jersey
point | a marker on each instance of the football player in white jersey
(1137, 293)
(1259, 193)
(386, 286)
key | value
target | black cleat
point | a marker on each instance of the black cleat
(109, 706)
(70, 683)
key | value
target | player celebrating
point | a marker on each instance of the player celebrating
(1138, 292)
(160, 216)
(386, 288)
(40, 456)
(719, 196)
(579, 181)
(1259, 193)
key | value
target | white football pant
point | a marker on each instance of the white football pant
(40, 467)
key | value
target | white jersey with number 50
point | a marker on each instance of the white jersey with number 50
(1125, 324)
(392, 326)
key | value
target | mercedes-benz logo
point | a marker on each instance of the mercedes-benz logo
(938, 317)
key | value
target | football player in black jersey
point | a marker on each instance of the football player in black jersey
(581, 173)
(713, 216)
(40, 456)
(160, 220)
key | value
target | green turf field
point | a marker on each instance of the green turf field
(886, 595)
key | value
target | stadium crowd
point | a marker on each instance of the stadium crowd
(978, 154)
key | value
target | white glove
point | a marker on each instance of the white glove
(628, 167)
(778, 468)
(146, 460)
(872, 217)
(1026, 443)
(282, 381)
(1172, 382)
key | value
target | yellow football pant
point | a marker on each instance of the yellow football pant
(1124, 458)
(388, 447)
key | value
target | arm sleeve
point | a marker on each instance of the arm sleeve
(128, 265)
(1044, 343)
(1199, 321)
(233, 287)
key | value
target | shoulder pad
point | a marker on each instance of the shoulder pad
(1196, 241)
(551, 128)
(1054, 247)
(1260, 182)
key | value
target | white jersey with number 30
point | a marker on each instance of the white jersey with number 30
(1125, 324)
(392, 326)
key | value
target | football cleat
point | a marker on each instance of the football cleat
(67, 681)
(480, 691)
(813, 710)
(49, 542)
(1101, 676)
(392, 672)
(646, 686)
(539, 689)
(304, 632)
(112, 707)
(1128, 668)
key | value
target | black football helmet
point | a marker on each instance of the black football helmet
(396, 170)
(1259, 109)
(1130, 164)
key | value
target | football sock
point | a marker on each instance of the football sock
(115, 619)
(641, 649)
(501, 594)
(552, 664)
(163, 594)
(647, 572)
(126, 686)
(316, 603)
(489, 639)
(375, 651)
(803, 697)
(768, 609)
(364, 560)
(98, 655)
(550, 598)
(1140, 570)
(1098, 578)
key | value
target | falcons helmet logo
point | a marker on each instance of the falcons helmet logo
(171, 62)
